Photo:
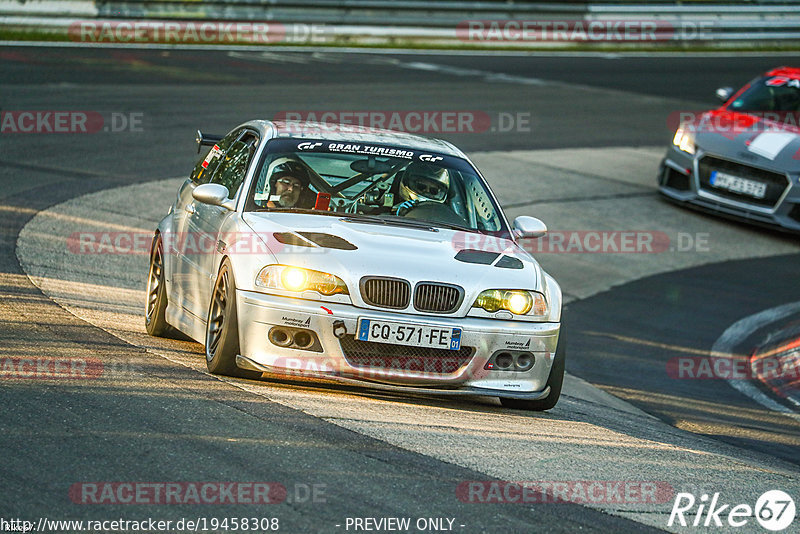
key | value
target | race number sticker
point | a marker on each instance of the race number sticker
(213, 153)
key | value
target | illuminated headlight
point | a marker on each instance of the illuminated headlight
(684, 140)
(298, 279)
(517, 301)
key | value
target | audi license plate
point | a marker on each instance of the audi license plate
(736, 184)
(411, 335)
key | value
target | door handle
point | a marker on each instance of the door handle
(191, 209)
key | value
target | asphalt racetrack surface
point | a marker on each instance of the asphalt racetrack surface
(574, 140)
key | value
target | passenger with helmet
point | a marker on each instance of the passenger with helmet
(288, 184)
(425, 189)
(422, 183)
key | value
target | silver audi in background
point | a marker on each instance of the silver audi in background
(741, 160)
(367, 257)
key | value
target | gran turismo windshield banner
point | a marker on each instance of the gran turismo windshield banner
(366, 149)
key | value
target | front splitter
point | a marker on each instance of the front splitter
(246, 363)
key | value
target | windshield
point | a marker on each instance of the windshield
(770, 93)
(376, 183)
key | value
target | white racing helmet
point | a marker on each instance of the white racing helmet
(424, 182)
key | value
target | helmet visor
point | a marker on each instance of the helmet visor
(428, 187)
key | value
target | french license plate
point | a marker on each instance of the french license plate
(738, 185)
(412, 335)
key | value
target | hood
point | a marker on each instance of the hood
(352, 249)
(757, 139)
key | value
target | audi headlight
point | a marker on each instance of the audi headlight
(517, 301)
(290, 278)
(684, 140)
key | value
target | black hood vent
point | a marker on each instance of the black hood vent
(476, 256)
(509, 262)
(482, 257)
(288, 238)
(328, 241)
(313, 240)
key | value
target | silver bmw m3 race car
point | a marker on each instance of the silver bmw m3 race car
(366, 257)
(741, 160)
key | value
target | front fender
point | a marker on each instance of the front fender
(165, 227)
(552, 292)
(247, 251)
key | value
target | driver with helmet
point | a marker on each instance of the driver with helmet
(421, 184)
(288, 184)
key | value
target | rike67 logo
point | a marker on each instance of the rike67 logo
(774, 510)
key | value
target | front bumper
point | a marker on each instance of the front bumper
(259, 313)
(678, 182)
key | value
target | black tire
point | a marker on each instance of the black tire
(555, 381)
(222, 327)
(155, 308)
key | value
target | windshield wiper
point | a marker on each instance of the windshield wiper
(411, 223)
(429, 223)
(374, 219)
(452, 226)
(298, 210)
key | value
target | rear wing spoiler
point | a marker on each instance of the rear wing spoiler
(205, 139)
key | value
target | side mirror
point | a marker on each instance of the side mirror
(213, 194)
(724, 93)
(529, 227)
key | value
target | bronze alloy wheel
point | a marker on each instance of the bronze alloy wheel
(155, 310)
(222, 328)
